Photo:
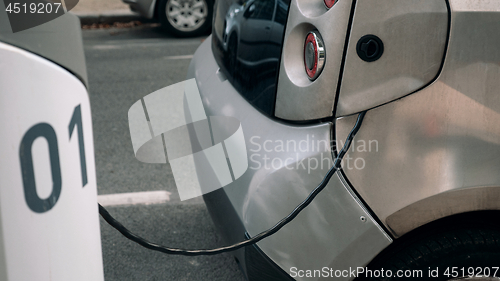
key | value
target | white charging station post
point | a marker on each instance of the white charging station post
(49, 225)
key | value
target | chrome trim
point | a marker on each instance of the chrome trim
(321, 54)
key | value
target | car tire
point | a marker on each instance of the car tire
(473, 248)
(186, 18)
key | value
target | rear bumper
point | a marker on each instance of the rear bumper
(255, 264)
(328, 233)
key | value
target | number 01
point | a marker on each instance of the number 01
(35, 203)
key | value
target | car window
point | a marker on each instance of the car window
(282, 12)
(248, 48)
(261, 9)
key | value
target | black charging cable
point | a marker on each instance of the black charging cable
(250, 241)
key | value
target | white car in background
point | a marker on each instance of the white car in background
(183, 18)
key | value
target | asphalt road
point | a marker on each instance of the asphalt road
(123, 66)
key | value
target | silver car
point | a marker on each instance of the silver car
(183, 18)
(418, 192)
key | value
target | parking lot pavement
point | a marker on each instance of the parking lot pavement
(123, 66)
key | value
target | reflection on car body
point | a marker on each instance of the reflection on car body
(249, 43)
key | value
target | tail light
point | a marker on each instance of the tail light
(314, 55)
(330, 3)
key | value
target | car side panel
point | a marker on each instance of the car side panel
(414, 35)
(328, 233)
(438, 149)
(299, 98)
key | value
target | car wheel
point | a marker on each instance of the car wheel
(186, 18)
(458, 254)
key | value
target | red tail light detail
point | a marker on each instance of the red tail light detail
(314, 55)
(330, 3)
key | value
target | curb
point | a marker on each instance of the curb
(88, 18)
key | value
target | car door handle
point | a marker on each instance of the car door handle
(267, 28)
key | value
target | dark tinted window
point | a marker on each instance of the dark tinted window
(247, 42)
(281, 13)
(261, 9)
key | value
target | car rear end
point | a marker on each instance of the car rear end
(296, 74)
(238, 75)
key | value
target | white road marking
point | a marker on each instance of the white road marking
(179, 57)
(106, 47)
(134, 198)
(113, 45)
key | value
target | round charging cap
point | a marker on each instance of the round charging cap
(314, 55)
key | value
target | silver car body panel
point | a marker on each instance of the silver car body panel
(299, 98)
(414, 34)
(329, 232)
(438, 149)
(145, 8)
